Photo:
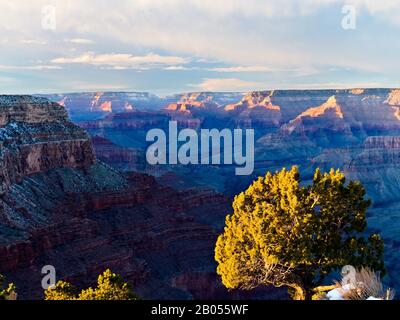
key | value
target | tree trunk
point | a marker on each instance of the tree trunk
(299, 292)
(325, 288)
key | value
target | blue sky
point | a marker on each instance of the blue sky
(166, 46)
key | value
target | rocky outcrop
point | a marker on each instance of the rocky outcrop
(191, 101)
(36, 136)
(330, 108)
(329, 115)
(256, 99)
(254, 110)
(30, 110)
(205, 99)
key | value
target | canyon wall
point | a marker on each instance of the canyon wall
(35, 136)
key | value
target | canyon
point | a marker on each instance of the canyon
(78, 193)
(61, 206)
(356, 130)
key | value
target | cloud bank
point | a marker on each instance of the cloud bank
(273, 42)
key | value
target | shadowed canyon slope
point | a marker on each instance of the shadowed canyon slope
(61, 206)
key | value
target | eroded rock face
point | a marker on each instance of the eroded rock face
(29, 110)
(36, 136)
(117, 156)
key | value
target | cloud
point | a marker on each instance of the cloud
(387, 9)
(280, 40)
(32, 67)
(33, 41)
(120, 61)
(230, 84)
(265, 32)
(80, 41)
(180, 68)
(242, 69)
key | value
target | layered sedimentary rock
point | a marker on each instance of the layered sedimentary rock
(35, 136)
(382, 142)
(29, 110)
(255, 109)
(117, 156)
(205, 99)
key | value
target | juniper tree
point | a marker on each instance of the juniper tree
(284, 234)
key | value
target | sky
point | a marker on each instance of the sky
(169, 46)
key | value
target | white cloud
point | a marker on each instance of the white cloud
(387, 10)
(80, 41)
(33, 41)
(231, 31)
(230, 84)
(120, 61)
(242, 69)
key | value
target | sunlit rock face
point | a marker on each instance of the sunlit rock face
(205, 99)
(327, 116)
(255, 109)
(393, 98)
(191, 101)
(253, 100)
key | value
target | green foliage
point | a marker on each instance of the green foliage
(110, 286)
(285, 234)
(7, 293)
